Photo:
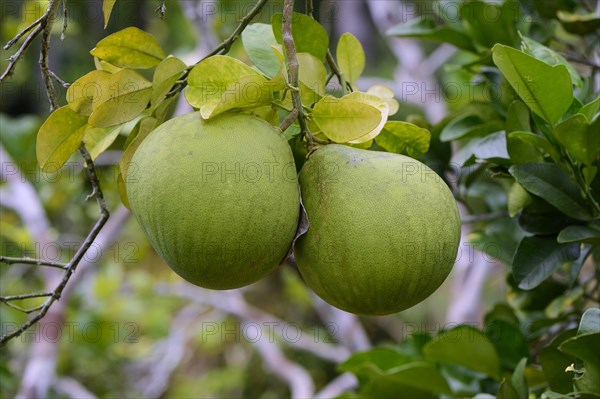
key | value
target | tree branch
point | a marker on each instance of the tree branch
(293, 73)
(30, 261)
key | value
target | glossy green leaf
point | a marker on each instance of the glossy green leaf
(538, 257)
(517, 117)
(491, 147)
(533, 140)
(343, 120)
(423, 28)
(589, 233)
(59, 137)
(107, 6)
(165, 75)
(257, 39)
(490, 23)
(350, 57)
(309, 36)
(590, 322)
(550, 57)
(220, 83)
(551, 183)
(581, 139)
(584, 346)
(554, 363)
(383, 359)
(518, 198)
(98, 139)
(403, 137)
(590, 110)
(547, 90)
(580, 24)
(82, 92)
(123, 96)
(129, 48)
(465, 346)
(396, 371)
(469, 125)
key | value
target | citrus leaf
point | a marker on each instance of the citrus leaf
(312, 76)
(309, 36)
(469, 125)
(581, 139)
(534, 141)
(387, 95)
(551, 183)
(518, 198)
(350, 57)
(589, 233)
(105, 66)
(538, 257)
(545, 89)
(107, 6)
(550, 57)
(123, 96)
(465, 346)
(257, 40)
(59, 137)
(423, 28)
(223, 79)
(400, 137)
(590, 110)
(129, 48)
(165, 75)
(580, 24)
(82, 92)
(485, 30)
(98, 139)
(517, 117)
(343, 120)
(373, 101)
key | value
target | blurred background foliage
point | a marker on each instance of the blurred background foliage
(136, 331)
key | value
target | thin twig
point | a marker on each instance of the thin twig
(9, 298)
(36, 28)
(74, 262)
(65, 20)
(30, 261)
(58, 79)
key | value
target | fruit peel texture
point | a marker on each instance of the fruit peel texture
(218, 199)
(384, 229)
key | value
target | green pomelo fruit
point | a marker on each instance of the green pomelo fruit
(383, 229)
(218, 199)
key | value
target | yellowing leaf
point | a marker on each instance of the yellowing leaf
(129, 48)
(312, 76)
(166, 74)
(373, 101)
(98, 139)
(350, 57)
(82, 92)
(59, 137)
(107, 6)
(221, 83)
(386, 94)
(343, 120)
(139, 133)
(105, 66)
(123, 96)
